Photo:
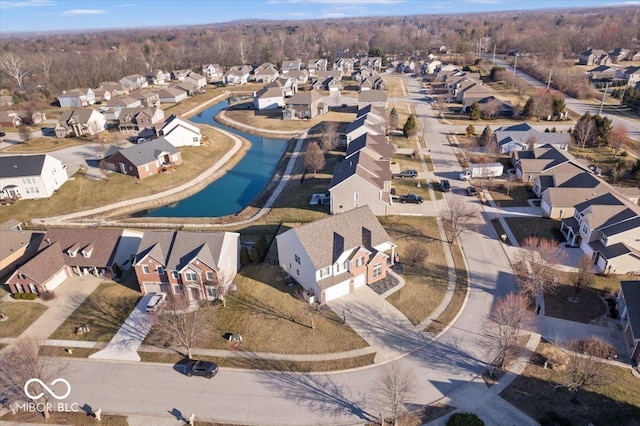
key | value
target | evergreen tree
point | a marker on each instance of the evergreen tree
(262, 246)
(486, 136)
(474, 111)
(244, 256)
(254, 256)
(410, 128)
(558, 105)
(527, 111)
(604, 126)
(393, 118)
(470, 130)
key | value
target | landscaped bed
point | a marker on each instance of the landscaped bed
(20, 316)
(518, 195)
(589, 308)
(523, 227)
(104, 311)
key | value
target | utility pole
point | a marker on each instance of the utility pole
(515, 64)
(549, 80)
(493, 61)
(622, 97)
(604, 95)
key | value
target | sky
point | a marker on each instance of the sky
(55, 15)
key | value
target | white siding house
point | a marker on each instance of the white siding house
(30, 176)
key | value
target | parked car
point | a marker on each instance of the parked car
(411, 198)
(156, 301)
(2, 134)
(471, 190)
(408, 174)
(446, 186)
(196, 367)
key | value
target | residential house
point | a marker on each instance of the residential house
(137, 119)
(321, 75)
(144, 159)
(362, 74)
(300, 77)
(147, 99)
(344, 65)
(213, 73)
(377, 98)
(268, 98)
(373, 62)
(266, 73)
(603, 73)
(180, 132)
(370, 123)
(405, 66)
(594, 57)
(330, 84)
(629, 310)
(198, 80)
(291, 65)
(336, 255)
(134, 81)
(315, 65)
(30, 176)
(490, 106)
(112, 110)
(363, 177)
(531, 163)
(76, 98)
(32, 117)
(158, 77)
(180, 75)
(102, 94)
(620, 54)
(64, 252)
(430, 67)
(237, 75)
(10, 119)
(524, 137)
(18, 245)
(115, 88)
(189, 264)
(630, 74)
(288, 85)
(80, 122)
(186, 86)
(171, 95)
(372, 83)
(304, 105)
(635, 56)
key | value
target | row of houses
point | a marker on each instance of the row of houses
(12, 118)
(176, 262)
(629, 76)
(600, 57)
(602, 220)
(466, 88)
(521, 137)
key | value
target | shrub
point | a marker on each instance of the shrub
(254, 256)
(17, 296)
(31, 296)
(244, 256)
(464, 419)
(47, 295)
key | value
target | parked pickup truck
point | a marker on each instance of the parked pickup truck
(411, 198)
(488, 170)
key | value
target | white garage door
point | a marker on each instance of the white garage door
(359, 281)
(336, 291)
(56, 280)
(151, 288)
(602, 262)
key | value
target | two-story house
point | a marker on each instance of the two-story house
(315, 65)
(179, 131)
(189, 264)
(134, 81)
(291, 65)
(629, 310)
(76, 98)
(158, 77)
(80, 122)
(137, 119)
(304, 105)
(30, 176)
(334, 256)
(147, 99)
(344, 65)
(630, 74)
(594, 57)
(266, 73)
(213, 72)
(237, 75)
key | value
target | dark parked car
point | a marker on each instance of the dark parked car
(201, 368)
(446, 186)
(411, 198)
(408, 174)
(2, 134)
(471, 190)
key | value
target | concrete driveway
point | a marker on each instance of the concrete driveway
(87, 156)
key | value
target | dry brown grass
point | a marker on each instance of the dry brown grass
(191, 102)
(42, 145)
(590, 307)
(518, 196)
(272, 120)
(81, 193)
(21, 315)
(427, 282)
(523, 227)
(63, 418)
(63, 352)
(396, 87)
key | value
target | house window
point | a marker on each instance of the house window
(360, 261)
(160, 270)
(297, 259)
(174, 275)
(604, 240)
(585, 229)
(327, 270)
(297, 271)
(211, 292)
(345, 266)
(377, 270)
(145, 269)
(210, 275)
(190, 276)
(178, 289)
(355, 196)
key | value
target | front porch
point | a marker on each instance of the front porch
(570, 229)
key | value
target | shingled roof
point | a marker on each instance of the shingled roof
(143, 153)
(176, 249)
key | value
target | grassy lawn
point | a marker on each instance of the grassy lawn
(590, 306)
(75, 352)
(518, 195)
(426, 282)
(81, 193)
(272, 120)
(403, 109)
(616, 402)
(604, 158)
(21, 315)
(40, 145)
(263, 364)
(270, 318)
(62, 418)
(409, 186)
(191, 102)
(523, 227)
(103, 311)
(396, 88)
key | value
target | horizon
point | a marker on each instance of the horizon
(22, 17)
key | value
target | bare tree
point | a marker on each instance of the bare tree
(44, 61)
(416, 253)
(509, 316)
(314, 158)
(617, 138)
(223, 285)
(242, 51)
(13, 65)
(28, 360)
(532, 141)
(394, 385)
(179, 325)
(584, 132)
(25, 133)
(537, 258)
(330, 137)
(458, 218)
(584, 366)
(583, 277)
(509, 182)
(491, 109)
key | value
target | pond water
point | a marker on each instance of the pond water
(233, 191)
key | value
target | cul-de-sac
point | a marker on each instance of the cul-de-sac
(285, 213)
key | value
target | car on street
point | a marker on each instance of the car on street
(408, 174)
(471, 191)
(156, 301)
(411, 198)
(2, 134)
(196, 367)
(445, 185)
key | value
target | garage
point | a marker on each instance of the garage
(57, 279)
(336, 291)
(151, 288)
(359, 281)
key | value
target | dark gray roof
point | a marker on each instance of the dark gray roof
(376, 143)
(631, 291)
(610, 252)
(14, 166)
(175, 249)
(620, 227)
(144, 153)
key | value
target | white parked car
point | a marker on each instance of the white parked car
(155, 301)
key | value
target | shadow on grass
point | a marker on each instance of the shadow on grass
(255, 305)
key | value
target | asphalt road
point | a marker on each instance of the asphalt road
(281, 398)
